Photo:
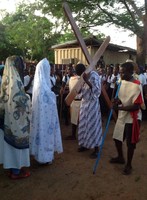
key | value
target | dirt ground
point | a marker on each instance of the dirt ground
(71, 177)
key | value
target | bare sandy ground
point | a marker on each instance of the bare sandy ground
(70, 176)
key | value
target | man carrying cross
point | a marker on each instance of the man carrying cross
(92, 61)
(90, 125)
(90, 80)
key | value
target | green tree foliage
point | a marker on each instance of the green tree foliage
(33, 34)
(127, 14)
(5, 45)
(29, 32)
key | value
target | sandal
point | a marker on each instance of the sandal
(117, 160)
(22, 174)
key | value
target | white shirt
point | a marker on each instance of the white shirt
(103, 78)
(53, 81)
(65, 79)
(112, 85)
(26, 82)
(142, 79)
(145, 73)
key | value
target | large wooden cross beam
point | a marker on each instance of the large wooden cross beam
(91, 61)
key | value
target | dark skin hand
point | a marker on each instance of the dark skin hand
(85, 77)
(117, 105)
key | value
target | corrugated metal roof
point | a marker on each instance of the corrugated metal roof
(93, 41)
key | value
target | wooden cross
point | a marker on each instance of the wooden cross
(92, 61)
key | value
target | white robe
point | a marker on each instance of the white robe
(11, 157)
(45, 134)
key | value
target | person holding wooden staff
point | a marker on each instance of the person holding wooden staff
(127, 127)
(90, 125)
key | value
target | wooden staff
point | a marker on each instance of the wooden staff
(105, 133)
(76, 31)
(91, 61)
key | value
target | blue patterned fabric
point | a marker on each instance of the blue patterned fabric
(45, 135)
(90, 126)
(15, 103)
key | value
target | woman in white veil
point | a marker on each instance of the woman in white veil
(45, 134)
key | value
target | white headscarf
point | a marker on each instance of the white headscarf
(15, 103)
(42, 77)
(45, 129)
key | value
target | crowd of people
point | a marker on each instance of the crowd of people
(32, 102)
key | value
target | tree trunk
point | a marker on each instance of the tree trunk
(142, 41)
(141, 51)
(145, 32)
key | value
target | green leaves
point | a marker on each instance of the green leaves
(29, 32)
(34, 28)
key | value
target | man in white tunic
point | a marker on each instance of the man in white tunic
(14, 138)
(127, 126)
(45, 134)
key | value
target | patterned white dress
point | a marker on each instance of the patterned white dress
(90, 125)
(14, 139)
(45, 134)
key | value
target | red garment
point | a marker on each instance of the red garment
(134, 114)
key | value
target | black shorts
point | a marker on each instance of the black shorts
(128, 135)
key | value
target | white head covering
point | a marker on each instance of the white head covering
(45, 129)
(42, 77)
(15, 103)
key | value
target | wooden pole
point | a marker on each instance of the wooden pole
(91, 61)
(76, 31)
